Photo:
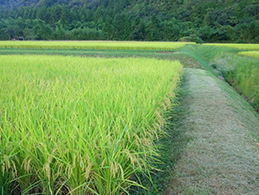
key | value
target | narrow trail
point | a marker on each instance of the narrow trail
(222, 156)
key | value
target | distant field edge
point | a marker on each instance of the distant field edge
(245, 46)
(254, 54)
(115, 45)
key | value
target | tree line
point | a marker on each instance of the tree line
(146, 20)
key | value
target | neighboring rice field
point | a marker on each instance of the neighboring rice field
(250, 53)
(236, 45)
(115, 45)
(80, 125)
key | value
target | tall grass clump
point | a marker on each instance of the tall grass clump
(80, 125)
(242, 73)
(113, 45)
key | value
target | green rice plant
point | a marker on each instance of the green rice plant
(81, 125)
(115, 45)
(250, 53)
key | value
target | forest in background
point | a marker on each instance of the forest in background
(142, 20)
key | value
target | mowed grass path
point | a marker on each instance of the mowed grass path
(81, 125)
(221, 156)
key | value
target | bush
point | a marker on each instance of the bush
(191, 38)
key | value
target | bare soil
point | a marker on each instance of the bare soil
(222, 156)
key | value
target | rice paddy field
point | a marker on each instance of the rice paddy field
(77, 125)
(114, 45)
(250, 53)
(81, 125)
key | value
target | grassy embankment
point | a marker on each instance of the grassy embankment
(80, 124)
(242, 72)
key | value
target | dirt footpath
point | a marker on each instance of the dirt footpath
(222, 156)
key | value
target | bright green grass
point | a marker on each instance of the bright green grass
(116, 45)
(242, 72)
(81, 124)
(250, 53)
(236, 45)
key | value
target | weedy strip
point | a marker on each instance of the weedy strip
(242, 72)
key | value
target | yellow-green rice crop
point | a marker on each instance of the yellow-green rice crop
(81, 124)
(116, 45)
(236, 45)
(250, 53)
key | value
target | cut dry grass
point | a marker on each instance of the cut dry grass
(222, 156)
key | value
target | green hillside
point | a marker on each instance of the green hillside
(148, 20)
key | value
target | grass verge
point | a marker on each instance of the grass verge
(242, 73)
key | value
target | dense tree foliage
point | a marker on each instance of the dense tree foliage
(150, 20)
